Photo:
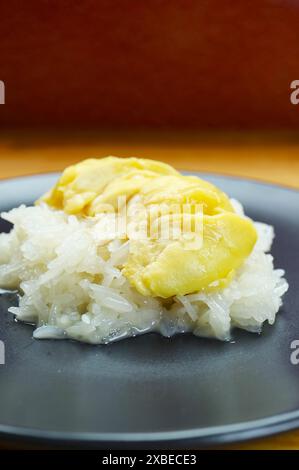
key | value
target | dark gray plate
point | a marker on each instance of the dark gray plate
(152, 391)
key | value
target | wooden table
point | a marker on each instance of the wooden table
(270, 157)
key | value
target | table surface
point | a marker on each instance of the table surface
(270, 157)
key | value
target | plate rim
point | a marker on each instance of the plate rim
(206, 436)
(203, 437)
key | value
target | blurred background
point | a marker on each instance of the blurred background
(204, 85)
(201, 84)
(200, 64)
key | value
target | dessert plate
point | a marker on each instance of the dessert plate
(152, 391)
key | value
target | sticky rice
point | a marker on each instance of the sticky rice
(71, 285)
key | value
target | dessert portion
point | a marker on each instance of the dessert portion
(124, 246)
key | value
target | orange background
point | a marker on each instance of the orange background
(191, 63)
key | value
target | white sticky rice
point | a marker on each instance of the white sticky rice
(71, 285)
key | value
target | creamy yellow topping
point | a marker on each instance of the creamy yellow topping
(155, 266)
